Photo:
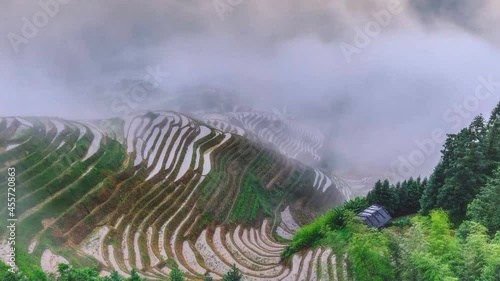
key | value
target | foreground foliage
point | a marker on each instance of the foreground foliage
(312, 235)
(455, 237)
(68, 273)
(429, 249)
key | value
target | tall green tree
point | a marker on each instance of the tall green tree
(485, 209)
(493, 141)
(467, 174)
(409, 193)
(401, 189)
(414, 194)
(428, 201)
(385, 195)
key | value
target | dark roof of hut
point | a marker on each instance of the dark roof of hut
(375, 216)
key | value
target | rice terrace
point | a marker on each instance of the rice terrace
(238, 140)
(160, 187)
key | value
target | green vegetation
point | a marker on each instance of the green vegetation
(400, 199)
(485, 208)
(62, 199)
(29, 265)
(448, 226)
(68, 273)
(315, 233)
(176, 274)
(233, 274)
(369, 254)
(469, 159)
(428, 250)
(368, 250)
(254, 199)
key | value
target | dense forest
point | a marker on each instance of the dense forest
(446, 227)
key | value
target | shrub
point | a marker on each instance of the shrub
(208, 278)
(401, 223)
(233, 275)
(370, 257)
(176, 274)
(312, 234)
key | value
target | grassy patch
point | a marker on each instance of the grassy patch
(334, 228)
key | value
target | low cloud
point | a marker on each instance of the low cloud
(395, 91)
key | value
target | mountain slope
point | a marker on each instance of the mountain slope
(155, 188)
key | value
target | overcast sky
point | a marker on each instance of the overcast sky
(376, 99)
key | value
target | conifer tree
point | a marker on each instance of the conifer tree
(233, 275)
(438, 177)
(385, 195)
(467, 173)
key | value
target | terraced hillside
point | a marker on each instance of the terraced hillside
(293, 139)
(156, 189)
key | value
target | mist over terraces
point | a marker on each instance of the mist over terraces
(156, 188)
